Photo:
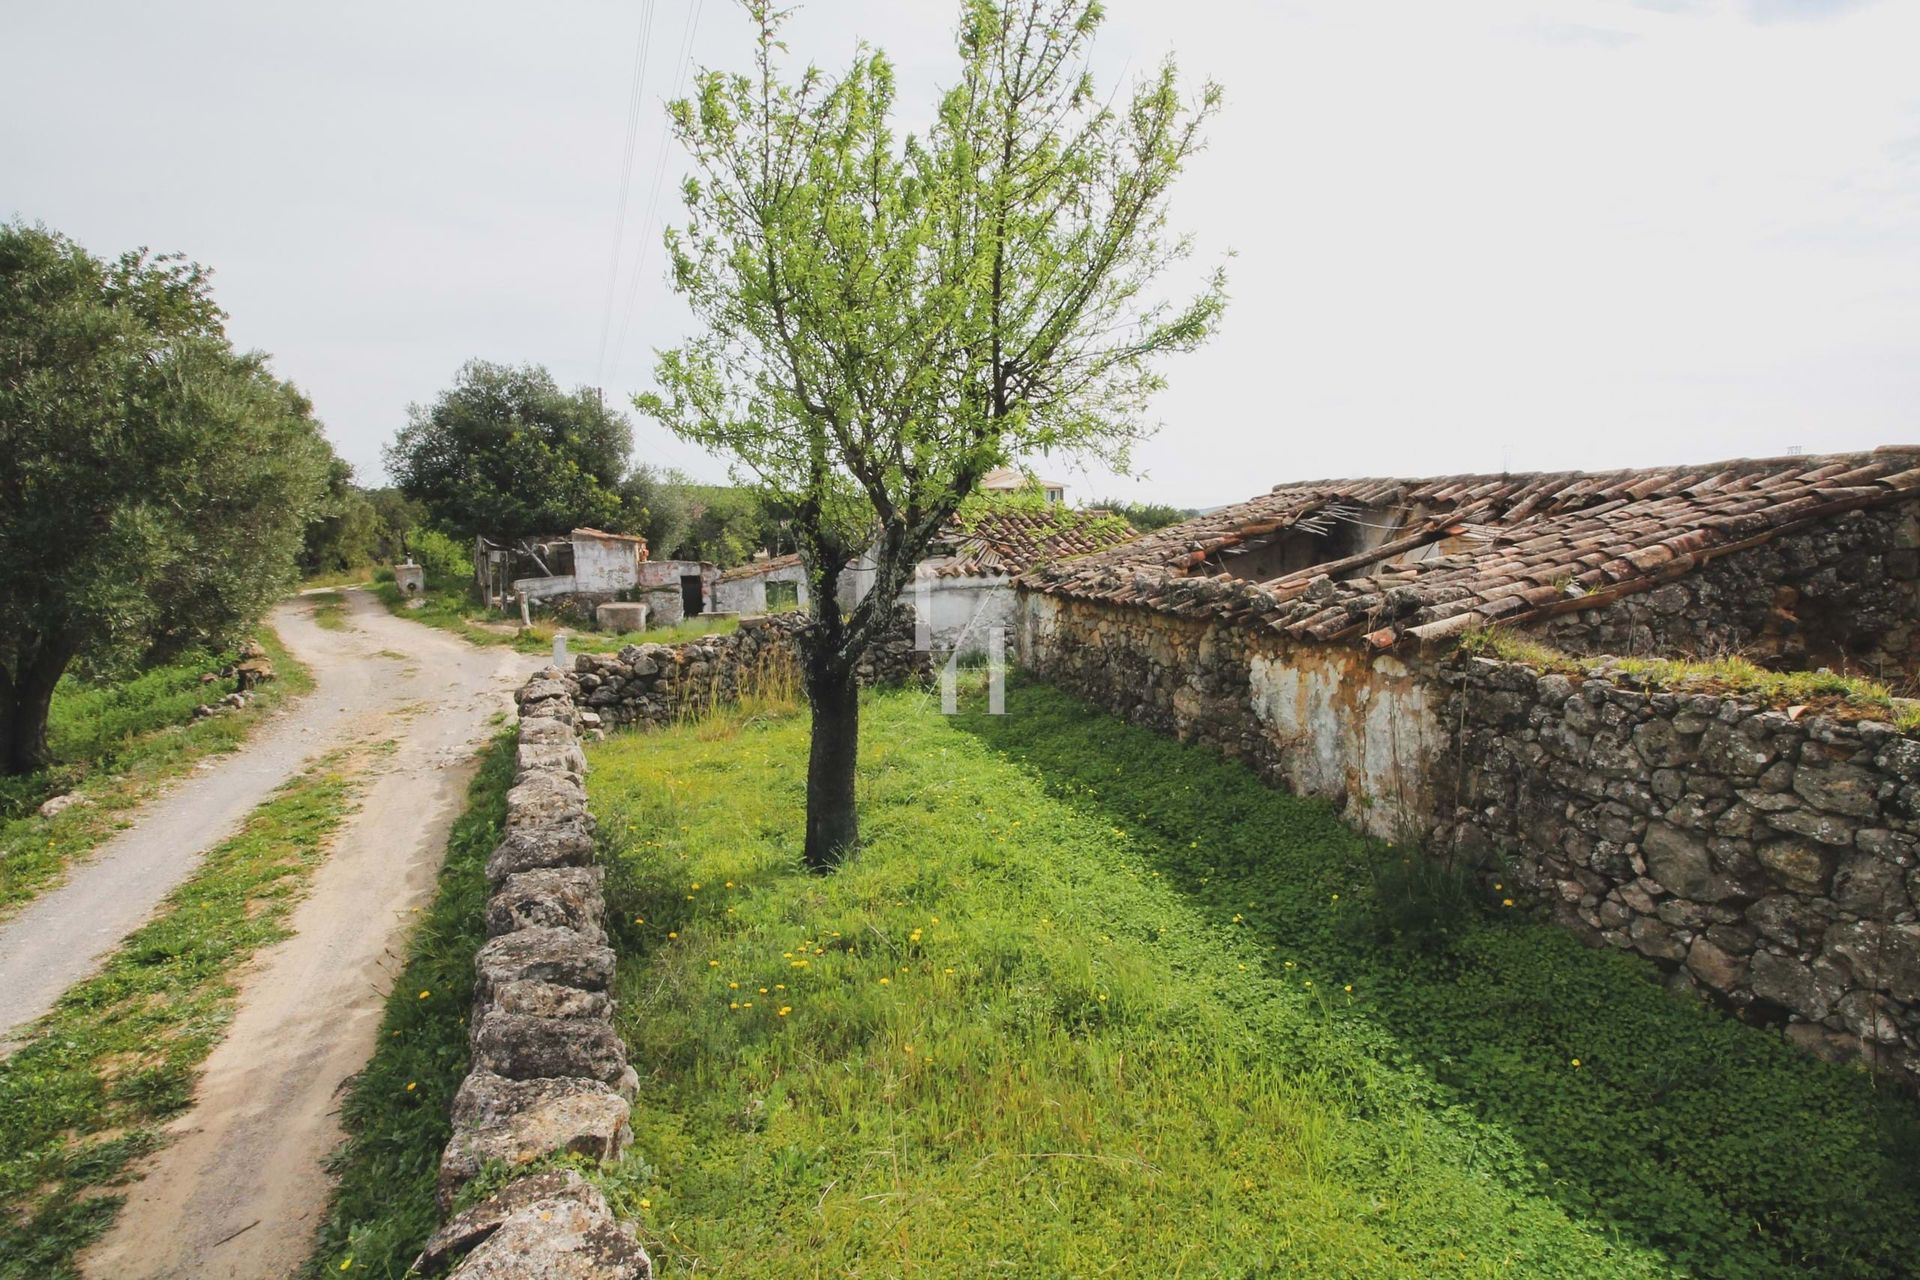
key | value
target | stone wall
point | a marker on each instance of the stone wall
(1768, 858)
(655, 684)
(548, 1073)
(1357, 729)
(1843, 590)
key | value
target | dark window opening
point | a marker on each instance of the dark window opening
(1324, 537)
(690, 601)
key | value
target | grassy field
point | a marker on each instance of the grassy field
(87, 1094)
(396, 1112)
(1089, 1002)
(449, 609)
(116, 744)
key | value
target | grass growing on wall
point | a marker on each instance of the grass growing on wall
(1089, 1001)
(87, 1093)
(1732, 675)
(115, 744)
(397, 1113)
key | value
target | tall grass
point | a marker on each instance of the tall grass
(1091, 1002)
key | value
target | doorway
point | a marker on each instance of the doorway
(690, 601)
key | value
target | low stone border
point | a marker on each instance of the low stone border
(549, 1074)
(650, 685)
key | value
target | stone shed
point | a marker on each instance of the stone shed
(1766, 852)
(760, 585)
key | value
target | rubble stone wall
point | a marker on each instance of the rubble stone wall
(548, 1073)
(1843, 590)
(1332, 721)
(654, 684)
(1768, 858)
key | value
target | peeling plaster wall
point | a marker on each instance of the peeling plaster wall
(1362, 733)
(1321, 720)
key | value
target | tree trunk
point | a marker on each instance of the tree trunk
(23, 724)
(832, 825)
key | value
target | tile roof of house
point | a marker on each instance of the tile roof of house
(1002, 479)
(754, 568)
(1495, 547)
(1015, 541)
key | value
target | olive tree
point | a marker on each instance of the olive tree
(505, 453)
(154, 483)
(885, 319)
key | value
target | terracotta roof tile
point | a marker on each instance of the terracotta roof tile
(1519, 542)
(1016, 541)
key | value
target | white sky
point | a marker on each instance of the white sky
(1469, 235)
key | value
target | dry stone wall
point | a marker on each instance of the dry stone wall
(654, 684)
(548, 1074)
(1845, 588)
(1766, 857)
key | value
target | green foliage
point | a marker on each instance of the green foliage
(329, 610)
(885, 319)
(504, 454)
(155, 484)
(90, 1089)
(396, 1112)
(657, 508)
(354, 527)
(1122, 967)
(115, 742)
(1146, 516)
(447, 560)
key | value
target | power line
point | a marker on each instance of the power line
(659, 174)
(636, 94)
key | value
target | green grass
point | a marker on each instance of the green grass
(449, 608)
(121, 1053)
(329, 610)
(116, 744)
(347, 577)
(1732, 675)
(383, 1205)
(1122, 969)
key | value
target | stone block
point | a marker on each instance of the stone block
(621, 616)
(522, 1047)
(546, 955)
(519, 1121)
(551, 897)
(557, 1240)
(549, 844)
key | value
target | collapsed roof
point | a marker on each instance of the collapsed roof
(1389, 558)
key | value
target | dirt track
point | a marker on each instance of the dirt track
(239, 1189)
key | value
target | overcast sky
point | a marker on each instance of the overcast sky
(1469, 236)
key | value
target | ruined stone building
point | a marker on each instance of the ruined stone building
(1760, 849)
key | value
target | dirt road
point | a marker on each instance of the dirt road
(239, 1189)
